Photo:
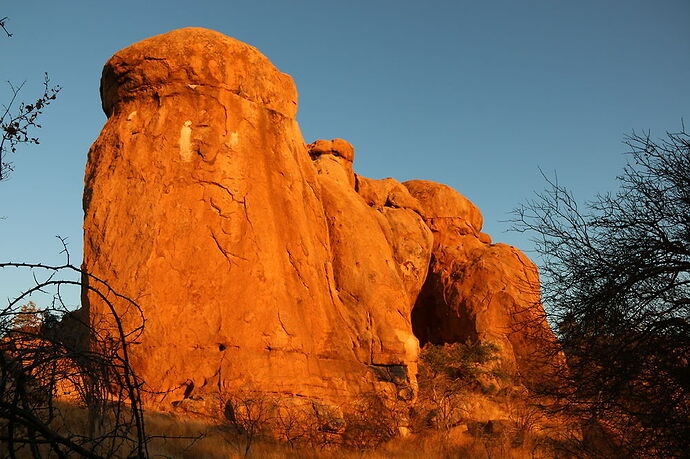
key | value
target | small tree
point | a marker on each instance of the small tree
(42, 366)
(372, 419)
(19, 119)
(28, 319)
(616, 283)
(250, 414)
(447, 372)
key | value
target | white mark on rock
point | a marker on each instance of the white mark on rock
(186, 141)
(193, 86)
(233, 139)
(131, 115)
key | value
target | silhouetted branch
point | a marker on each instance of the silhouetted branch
(2, 26)
(616, 283)
(54, 356)
(17, 122)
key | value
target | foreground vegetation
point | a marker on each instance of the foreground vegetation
(466, 407)
(616, 282)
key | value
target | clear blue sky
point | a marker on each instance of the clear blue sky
(477, 95)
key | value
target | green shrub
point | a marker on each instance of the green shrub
(459, 363)
(446, 373)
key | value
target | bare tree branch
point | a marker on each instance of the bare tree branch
(616, 283)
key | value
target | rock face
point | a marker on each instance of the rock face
(480, 291)
(259, 261)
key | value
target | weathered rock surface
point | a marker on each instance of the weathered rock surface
(476, 290)
(259, 261)
(253, 264)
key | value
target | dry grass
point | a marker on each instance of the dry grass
(520, 434)
(216, 441)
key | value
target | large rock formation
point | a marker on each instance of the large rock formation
(260, 261)
(479, 291)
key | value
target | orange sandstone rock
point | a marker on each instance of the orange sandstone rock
(260, 261)
(476, 290)
(253, 263)
(334, 158)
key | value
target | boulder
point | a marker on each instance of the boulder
(250, 261)
(479, 291)
(334, 158)
(253, 259)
